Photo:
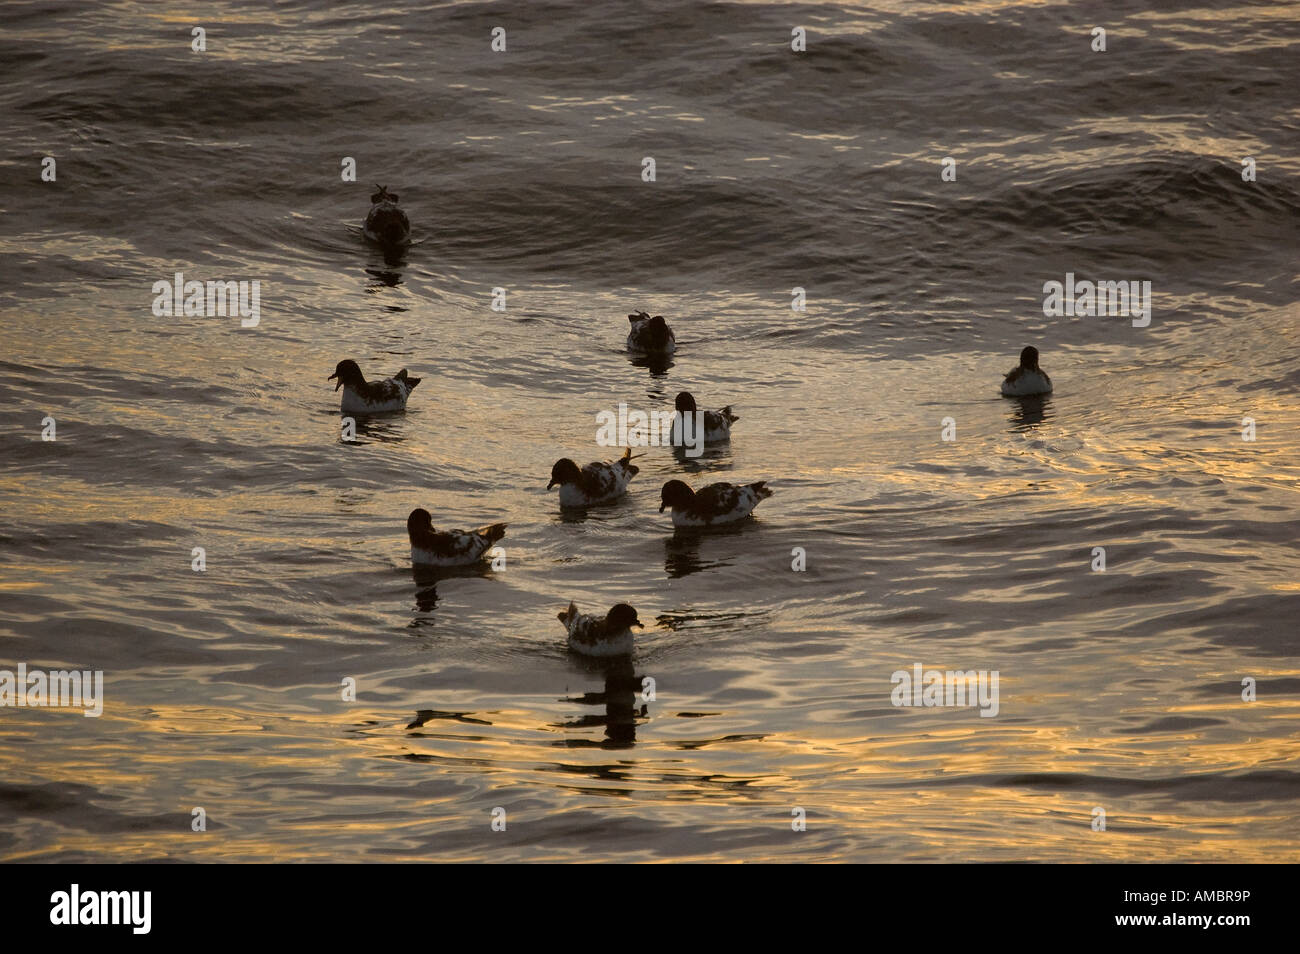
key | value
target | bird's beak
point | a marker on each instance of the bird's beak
(638, 623)
(550, 485)
(661, 507)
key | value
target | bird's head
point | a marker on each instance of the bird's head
(675, 493)
(347, 372)
(565, 471)
(622, 616)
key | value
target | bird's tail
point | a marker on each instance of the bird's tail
(761, 489)
(493, 532)
(568, 614)
(726, 412)
(408, 381)
(626, 461)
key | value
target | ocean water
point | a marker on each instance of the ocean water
(1119, 690)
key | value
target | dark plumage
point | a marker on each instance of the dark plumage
(650, 335)
(385, 222)
(712, 505)
(593, 636)
(598, 482)
(430, 547)
(371, 397)
(717, 424)
(1028, 378)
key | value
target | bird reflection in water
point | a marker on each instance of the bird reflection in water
(657, 364)
(377, 428)
(423, 716)
(682, 548)
(715, 458)
(394, 258)
(427, 579)
(384, 277)
(1028, 412)
(426, 594)
(682, 553)
(624, 699)
(596, 512)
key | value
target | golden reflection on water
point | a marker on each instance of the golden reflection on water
(847, 784)
(292, 773)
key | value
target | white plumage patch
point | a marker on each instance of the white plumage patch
(645, 339)
(454, 547)
(601, 482)
(590, 636)
(720, 503)
(717, 428)
(1022, 382)
(377, 397)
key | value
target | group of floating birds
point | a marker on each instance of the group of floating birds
(599, 482)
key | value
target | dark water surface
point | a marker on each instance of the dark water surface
(522, 170)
